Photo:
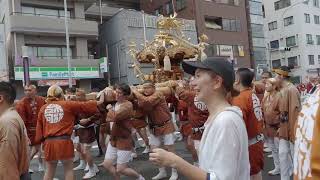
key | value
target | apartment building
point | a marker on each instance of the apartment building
(292, 29)
(225, 22)
(39, 25)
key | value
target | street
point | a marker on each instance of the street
(141, 164)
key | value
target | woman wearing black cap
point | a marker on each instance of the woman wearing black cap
(223, 152)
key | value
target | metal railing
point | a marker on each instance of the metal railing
(45, 15)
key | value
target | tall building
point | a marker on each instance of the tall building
(256, 35)
(292, 29)
(40, 26)
(223, 21)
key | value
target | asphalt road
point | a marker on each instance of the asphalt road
(142, 165)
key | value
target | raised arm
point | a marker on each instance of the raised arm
(147, 102)
(124, 113)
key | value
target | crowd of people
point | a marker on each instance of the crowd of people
(225, 116)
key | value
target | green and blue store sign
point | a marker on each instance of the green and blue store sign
(40, 73)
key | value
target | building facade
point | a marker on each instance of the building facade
(256, 35)
(224, 22)
(292, 29)
(39, 25)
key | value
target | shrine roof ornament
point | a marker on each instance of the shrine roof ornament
(166, 51)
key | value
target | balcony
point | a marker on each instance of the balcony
(50, 25)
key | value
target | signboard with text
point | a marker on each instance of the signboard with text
(39, 73)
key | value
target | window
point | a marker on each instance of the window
(276, 63)
(223, 24)
(48, 52)
(231, 25)
(316, 19)
(229, 2)
(318, 39)
(274, 44)
(28, 11)
(61, 13)
(307, 18)
(311, 59)
(293, 61)
(281, 4)
(212, 50)
(273, 25)
(169, 8)
(181, 4)
(316, 3)
(291, 41)
(288, 21)
(309, 39)
(158, 11)
(255, 7)
(32, 11)
(213, 22)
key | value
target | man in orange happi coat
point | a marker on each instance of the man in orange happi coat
(28, 108)
(55, 126)
(197, 114)
(289, 106)
(252, 114)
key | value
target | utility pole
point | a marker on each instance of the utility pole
(26, 65)
(67, 41)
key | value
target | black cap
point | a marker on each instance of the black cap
(219, 65)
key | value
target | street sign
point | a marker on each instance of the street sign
(103, 65)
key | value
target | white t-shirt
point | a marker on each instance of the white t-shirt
(224, 147)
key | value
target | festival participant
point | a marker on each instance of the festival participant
(270, 106)
(312, 85)
(259, 86)
(223, 152)
(28, 108)
(197, 113)
(289, 107)
(14, 143)
(186, 129)
(307, 144)
(54, 128)
(249, 103)
(86, 135)
(120, 146)
(155, 106)
(139, 123)
(100, 131)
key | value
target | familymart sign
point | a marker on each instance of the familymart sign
(40, 73)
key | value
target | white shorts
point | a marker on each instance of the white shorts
(75, 140)
(166, 140)
(117, 156)
(87, 144)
